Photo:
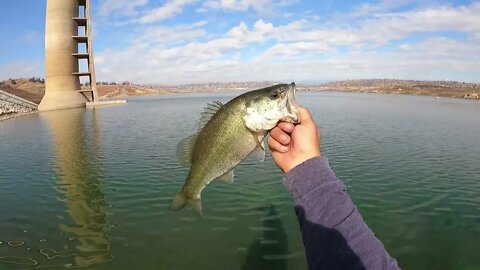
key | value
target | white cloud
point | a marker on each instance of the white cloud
(383, 6)
(258, 33)
(170, 9)
(124, 7)
(261, 6)
(444, 18)
(405, 47)
(303, 49)
(385, 28)
(292, 50)
(166, 36)
(286, 62)
(237, 5)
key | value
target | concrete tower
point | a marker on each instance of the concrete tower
(62, 55)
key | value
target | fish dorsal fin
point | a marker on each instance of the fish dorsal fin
(208, 112)
(185, 146)
(185, 149)
(227, 177)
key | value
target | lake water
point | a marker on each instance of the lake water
(91, 187)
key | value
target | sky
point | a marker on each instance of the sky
(191, 41)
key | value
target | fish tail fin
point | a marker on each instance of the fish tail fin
(196, 204)
(181, 200)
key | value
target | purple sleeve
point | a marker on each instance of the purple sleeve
(333, 231)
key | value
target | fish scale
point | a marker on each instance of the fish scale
(218, 151)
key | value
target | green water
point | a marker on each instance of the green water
(91, 187)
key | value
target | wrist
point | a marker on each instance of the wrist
(308, 174)
(301, 160)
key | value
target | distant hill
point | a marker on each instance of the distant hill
(404, 83)
(33, 89)
(411, 87)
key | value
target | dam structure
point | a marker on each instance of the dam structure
(69, 57)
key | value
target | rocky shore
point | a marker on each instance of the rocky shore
(11, 105)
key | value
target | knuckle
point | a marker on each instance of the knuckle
(276, 133)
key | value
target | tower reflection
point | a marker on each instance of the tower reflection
(78, 159)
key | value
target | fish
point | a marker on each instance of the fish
(228, 133)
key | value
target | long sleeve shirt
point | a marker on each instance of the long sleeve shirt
(334, 233)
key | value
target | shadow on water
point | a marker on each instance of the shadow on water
(271, 249)
(80, 178)
(326, 248)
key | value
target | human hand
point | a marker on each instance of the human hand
(293, 144)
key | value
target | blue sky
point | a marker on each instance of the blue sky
(188, 41)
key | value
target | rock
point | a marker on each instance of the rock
(11, 104)
(471, 96)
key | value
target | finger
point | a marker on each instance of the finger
(285, 126)
(275, 146)
(280, 136)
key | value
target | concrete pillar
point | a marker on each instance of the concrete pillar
(62, 85)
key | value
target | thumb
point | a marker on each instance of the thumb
(304, 116)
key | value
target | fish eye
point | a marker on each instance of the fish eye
(275, 94)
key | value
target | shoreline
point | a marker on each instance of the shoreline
(301, 89)
(436, 93)
(430, 93)
(34, 91)
(393, 93)
(14, 115)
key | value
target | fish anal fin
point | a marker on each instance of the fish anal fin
(227, 177)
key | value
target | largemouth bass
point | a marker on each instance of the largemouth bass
(228, 134)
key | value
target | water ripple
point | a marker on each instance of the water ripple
(97, 184)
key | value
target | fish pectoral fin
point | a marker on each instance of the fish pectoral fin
(227, 177)
(260, 152)
(260, 149)
(185, 149)
(261, 144)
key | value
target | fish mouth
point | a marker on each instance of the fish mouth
(291, 105)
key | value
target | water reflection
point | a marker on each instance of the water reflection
(77, 153)
(271, 249)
